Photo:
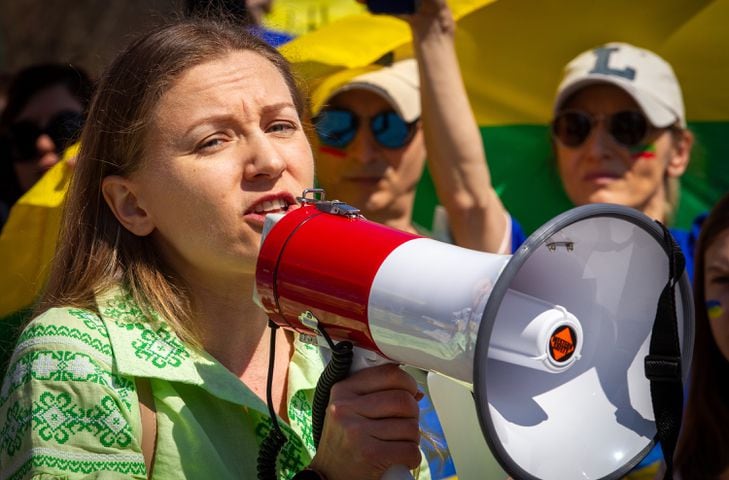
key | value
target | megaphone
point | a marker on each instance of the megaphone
(552, 339)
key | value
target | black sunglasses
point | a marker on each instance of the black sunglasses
(572, 127)
(21, 137)
(337, 128)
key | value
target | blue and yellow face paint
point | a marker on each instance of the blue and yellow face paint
(714, 309)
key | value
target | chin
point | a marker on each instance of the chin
(602, 196)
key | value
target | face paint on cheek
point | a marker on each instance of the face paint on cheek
(643, 152)
(332, 151)
(714, 309)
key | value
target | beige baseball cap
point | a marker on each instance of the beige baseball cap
(642, 74)
(399, 84)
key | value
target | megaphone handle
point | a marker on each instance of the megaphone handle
(364, 359)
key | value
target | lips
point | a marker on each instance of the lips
(271, 206)
(278, 203)
(601, 176)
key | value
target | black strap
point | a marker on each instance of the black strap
(663, 363)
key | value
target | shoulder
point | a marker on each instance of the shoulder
(517, 234)
(63, 350)
(687, 241)
(70, 412)
(75, 327)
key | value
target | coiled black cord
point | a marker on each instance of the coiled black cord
(275, 440)
(337, 369)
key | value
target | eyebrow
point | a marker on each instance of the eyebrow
(227, 116)
(275, 107)
(718, 267)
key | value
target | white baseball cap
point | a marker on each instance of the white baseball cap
(399, 84)
(642, 74)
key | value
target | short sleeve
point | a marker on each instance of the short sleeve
(64, 412)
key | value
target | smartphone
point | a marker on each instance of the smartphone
(392, 6)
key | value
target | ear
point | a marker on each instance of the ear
(124, 203)
(680, 153)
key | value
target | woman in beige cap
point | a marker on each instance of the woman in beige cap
(376, 130)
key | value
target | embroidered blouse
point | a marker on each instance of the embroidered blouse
(69, 407)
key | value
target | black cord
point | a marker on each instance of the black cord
(337, 369)
(275, 440)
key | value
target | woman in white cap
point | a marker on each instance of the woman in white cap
(620, 132)
(620, 137)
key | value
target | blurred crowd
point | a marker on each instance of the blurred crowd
(619, 135)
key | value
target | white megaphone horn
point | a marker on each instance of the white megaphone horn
(552, 339)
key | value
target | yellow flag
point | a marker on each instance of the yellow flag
(28, 239)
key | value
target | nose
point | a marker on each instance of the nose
(44, 144)
(47, 154)
(265, 160)
(599, 143)
(363, 148)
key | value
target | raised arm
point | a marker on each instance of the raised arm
(456, 155)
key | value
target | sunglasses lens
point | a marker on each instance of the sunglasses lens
(571, 128)
(64, 128)
(390, 130)
(336, 128)
(629, 128)
(23, 137)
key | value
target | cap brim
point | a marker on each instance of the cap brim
(397, 84)
(658, 114)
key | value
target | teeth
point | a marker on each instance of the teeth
(271, 205)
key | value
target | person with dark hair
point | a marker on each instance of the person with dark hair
(703, 447)
(147, 356)
(43, 115)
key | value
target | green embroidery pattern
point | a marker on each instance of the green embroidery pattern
(300, 416)
(64, 366)
(57, 417)
(15, 424)
(125, 312)
(291, 457)
(82, 463)
(91, 320)
(40, 330)
(161, 347)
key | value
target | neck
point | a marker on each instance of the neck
(398, 216)
(655, 207)
(235, 332)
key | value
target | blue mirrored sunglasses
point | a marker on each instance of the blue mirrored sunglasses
(338, 127)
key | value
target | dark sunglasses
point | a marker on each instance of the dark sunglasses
(21, 137)
(628, 128)
(338, 127)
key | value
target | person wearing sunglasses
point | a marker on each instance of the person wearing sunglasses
(376, 128)
(43, 116)
(620, 130)
(375, 135)
(620, 134)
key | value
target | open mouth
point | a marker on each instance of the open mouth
(277, 205)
